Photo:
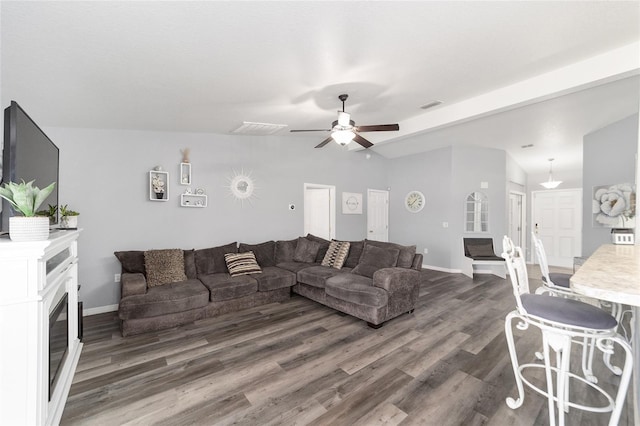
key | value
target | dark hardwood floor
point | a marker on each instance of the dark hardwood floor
(299, 363)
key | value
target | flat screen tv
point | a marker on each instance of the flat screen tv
(27, 154)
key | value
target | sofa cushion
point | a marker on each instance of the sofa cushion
(336, 254)
(374, 258)
(405, 258)
(295, 266)
(225, 287)
(324, 246)
(190, 264)
(211, 260)
(132, 261)
(273, 278)
(285, 250)
(317, 276)
(481, 250)
(164, 266)
(358, 290)
(306, 251)
(265, 252)
(164, 299)
(355, 251)
(242, 264)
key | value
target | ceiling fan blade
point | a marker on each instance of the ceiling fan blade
(324, 142)
(311, 130)
(378, 128)
(362, 141)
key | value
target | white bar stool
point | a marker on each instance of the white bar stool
(558, 284)
(561, 321)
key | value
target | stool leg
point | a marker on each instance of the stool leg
(547, 369)
(625, 378)
(513, 403)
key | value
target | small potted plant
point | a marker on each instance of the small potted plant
(25, 199)
(68, 218)
(50, 213)
(158, 186)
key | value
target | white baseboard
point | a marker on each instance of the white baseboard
(437, 268)
(99, 310)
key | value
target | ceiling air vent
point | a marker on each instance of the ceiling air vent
(431, 104)
(258, 129)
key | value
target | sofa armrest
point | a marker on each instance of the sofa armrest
(396, 279)
(403, 286)
(132, 284)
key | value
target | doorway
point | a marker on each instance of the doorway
(517, 225)
(320, 210)
(557, 221)
(377, 215)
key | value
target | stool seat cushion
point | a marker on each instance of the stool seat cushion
(567, 311)
(559, 279)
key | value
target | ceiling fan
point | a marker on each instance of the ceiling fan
(344, 129)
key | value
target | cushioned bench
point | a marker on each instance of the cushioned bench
(479, 255)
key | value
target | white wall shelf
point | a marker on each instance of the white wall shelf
(193, 200)
(158, 180)
(185, 174)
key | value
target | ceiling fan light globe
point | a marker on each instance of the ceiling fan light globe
(343, 137)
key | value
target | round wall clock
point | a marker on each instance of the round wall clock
(414, 201)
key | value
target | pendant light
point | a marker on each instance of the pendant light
(551, 184)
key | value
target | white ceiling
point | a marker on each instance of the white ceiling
(209, 66)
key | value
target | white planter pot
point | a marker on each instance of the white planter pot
(69, 222)
(34, 228)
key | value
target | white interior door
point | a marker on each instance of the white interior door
(557, 220)
(377, 215)
(319, 210)
(516, 218)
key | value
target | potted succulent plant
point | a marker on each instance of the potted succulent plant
(50, 213)
(68, 218)
(25, 199)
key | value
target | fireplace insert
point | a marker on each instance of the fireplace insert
(58, 339)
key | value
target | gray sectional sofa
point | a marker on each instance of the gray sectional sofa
(377, 282)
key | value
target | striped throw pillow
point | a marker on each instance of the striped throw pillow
(336, 254)
(242, 263)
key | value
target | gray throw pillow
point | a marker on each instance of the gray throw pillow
(374, 258)
(265, 252)
(405, 258)
(306, 251)
(132, 261)
(164, 266)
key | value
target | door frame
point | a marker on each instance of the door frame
(332, 206)
(523, 216)
(369, 191)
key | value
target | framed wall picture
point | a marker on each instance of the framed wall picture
(351, 203)
(614, 206)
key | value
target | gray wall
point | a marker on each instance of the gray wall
(104, 176)
(446, 176)
(608, 158)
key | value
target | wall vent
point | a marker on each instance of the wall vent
(431, 104)
(258, 129)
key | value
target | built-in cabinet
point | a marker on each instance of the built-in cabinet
(38, 280)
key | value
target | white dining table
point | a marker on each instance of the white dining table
(612, 273)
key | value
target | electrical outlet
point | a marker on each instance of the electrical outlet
(426, 251)
(445, 224)
(116, 278)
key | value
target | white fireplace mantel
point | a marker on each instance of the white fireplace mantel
(33, 278)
